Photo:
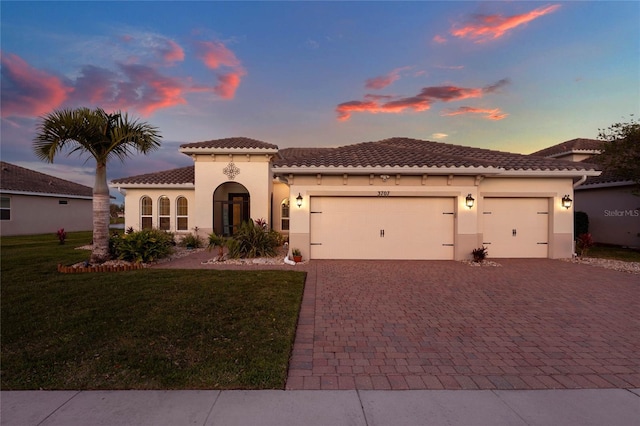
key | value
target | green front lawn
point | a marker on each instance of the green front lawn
(145, 329)
(616, 253)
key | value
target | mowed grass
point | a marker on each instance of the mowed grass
(145, 329)
(616, 253)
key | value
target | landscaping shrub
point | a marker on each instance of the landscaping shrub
(191, 240)
(580, 223)
(583, 243)
(251, 240)
(479, 254)
(145, 246)
(62, 235)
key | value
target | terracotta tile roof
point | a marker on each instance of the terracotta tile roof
(292, 153)
(19, 179)
(605, 177)
(183, 175)
(233, 143)
(588, 145)
(402, 152)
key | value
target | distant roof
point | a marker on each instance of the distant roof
(580, 145)
(181, 176)
(231, 143)
(406, 152)
(16, 179)
(606, 178)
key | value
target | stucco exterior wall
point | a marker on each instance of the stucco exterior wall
(468, 228)
(254, 174)
(31, 214)
(614, 214)
(280, 192)
(132, 203)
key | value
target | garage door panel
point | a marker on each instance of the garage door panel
(516, 227)
(381, 228)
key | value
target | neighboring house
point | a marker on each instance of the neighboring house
(613, 210)
(397, 198)
(35, 203)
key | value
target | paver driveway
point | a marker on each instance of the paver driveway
(530, 324)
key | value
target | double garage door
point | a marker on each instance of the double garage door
(416, 228)
(382, 227)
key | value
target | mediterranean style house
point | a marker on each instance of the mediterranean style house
(607, 199)
(397, 198)
(36, 203)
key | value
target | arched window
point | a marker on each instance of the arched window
(164, 211)
(182, 214)
(284, 217)
(146, 212)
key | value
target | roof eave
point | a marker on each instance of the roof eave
(549, 173)
(575, 151)
(223, 151)
(605, 185)
(46, 194)
(386, 169)
(152, 185)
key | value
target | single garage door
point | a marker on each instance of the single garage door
(382, 228)
(516, 227)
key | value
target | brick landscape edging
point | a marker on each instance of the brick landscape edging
(104, 268)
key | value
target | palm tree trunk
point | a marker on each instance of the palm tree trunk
(100, 251)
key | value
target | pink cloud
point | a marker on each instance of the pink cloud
(490, 114)
(143, 87)
(215, 54)
(439, 39)
(227, 84)
(137, 86)
(27, 91)
(490, 27)
(95, 85)
(147, 90)
(345, 109)
(172, 52)
(377, 83)
(421, 102)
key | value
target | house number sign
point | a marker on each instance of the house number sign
(383, 193)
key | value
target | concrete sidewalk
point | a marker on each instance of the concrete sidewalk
(611, 407)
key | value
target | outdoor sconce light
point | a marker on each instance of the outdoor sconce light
(299, 200)
(566, 202)
(469, 201)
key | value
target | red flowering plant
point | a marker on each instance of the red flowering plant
(583, 243)
(62, 235)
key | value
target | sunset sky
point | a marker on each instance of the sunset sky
(513, 76)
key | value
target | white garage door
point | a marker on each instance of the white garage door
(381, 228)
(516, 227)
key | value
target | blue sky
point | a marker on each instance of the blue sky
(513, 76)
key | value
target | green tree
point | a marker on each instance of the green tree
(621, 154)
(102, 136)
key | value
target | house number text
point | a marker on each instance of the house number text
(383, 193)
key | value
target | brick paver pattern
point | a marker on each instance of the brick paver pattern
(529, 324)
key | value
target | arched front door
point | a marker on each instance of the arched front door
(230, 207)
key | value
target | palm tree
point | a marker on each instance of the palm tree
(103, 136)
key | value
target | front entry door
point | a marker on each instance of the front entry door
(237, 211)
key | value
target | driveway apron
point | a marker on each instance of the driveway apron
(527, 324)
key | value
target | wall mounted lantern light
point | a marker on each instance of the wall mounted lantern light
(469, 201)
(566, 202)
(299, 200)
